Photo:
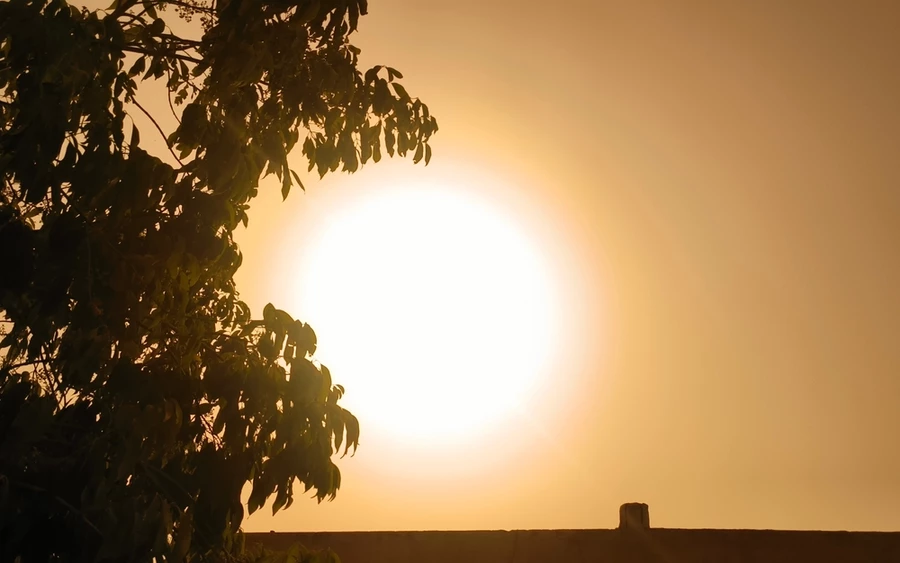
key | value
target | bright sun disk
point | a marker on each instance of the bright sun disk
(433, 309)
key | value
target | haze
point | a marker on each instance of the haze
(713, 186)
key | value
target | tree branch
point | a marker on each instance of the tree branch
(191, 43)
(134, 17)
(158, 128)
(142, 51)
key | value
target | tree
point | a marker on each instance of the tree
(138, 396)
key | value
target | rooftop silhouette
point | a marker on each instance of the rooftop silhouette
(634, 541)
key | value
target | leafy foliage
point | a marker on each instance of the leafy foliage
(138, 396)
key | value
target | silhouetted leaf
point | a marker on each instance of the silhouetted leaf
(297, 179)
(151, 9)
(401, 91)
(352, 426)
(157, 27)
(135, 137)
(138, 67)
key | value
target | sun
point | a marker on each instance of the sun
(434, 308)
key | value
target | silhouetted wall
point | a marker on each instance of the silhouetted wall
(600, 546)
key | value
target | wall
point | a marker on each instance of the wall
(600, 546)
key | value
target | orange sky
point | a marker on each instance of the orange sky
(715, 189)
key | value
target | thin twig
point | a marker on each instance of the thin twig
(169, 98)
(158, 128)
(134, 17)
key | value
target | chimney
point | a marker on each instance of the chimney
(634, 516)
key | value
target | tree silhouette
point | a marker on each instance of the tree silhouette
(138, 396)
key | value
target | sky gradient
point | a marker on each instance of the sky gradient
(715, 187)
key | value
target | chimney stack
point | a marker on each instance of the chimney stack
(634, 516)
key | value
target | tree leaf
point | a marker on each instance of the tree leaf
(135, 137)
(297, 179)
(157, 27)
(372, 74)
(138, 67)
(269, 315)
(281, 499)
(401, 91)
(151, 9)
(352, 426)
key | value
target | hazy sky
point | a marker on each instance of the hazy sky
(713, 189)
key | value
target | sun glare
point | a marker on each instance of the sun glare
(434, 309)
